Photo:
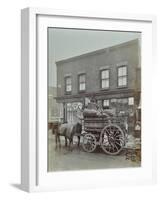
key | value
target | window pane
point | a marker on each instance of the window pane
(105, 74)
(122, 81)
(68, 88)
(82, 86)
(87, 100)
(68, 80)
(99, 102)
(131, 100)
(122, 101)
(113, 100)
(106, 102)
(122, 71)
(105, 83)
(68, 83)
(82, 78)
(80, 105)
(68, 106)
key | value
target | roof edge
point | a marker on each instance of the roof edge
(130, 42)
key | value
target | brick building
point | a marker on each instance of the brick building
(111, 75)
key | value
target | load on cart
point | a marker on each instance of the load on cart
(104, 129)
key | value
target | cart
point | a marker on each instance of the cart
(109, 132)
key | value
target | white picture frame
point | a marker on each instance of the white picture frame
(34, 101)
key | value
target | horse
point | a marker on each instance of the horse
(68, 131)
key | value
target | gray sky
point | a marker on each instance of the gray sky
(66, 43)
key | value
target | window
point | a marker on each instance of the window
(131, 101)
(73, 111)
(105, 78)
(122, 76)
(99, 102)
(106, 103)
(122, 101)
(82, 82)
(68, 84)
(69, 112)
(87, 101)
(122, 105)
(113, 100)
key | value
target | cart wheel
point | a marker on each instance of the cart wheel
(112, 139)
(89, 142)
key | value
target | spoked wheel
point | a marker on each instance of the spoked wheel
(112, 139)
(89, 142)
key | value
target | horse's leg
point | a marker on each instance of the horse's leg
(70, 144)
(66, 142)
(78, 140)
(59, 141)
(56, 139)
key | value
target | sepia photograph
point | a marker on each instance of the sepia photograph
(94, 99)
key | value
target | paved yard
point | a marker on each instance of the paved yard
(63, 159)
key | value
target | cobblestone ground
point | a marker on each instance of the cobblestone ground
(63, 159)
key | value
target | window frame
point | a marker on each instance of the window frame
(105, 88)
(65, 84)
(122, 86)
(105, 107)
(79, 75)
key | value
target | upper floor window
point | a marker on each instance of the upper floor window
(82, 82)
(68, 84)
(105, 78)
(122, 76)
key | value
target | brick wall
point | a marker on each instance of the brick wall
(91, 64)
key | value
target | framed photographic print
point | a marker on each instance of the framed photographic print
(86, 107)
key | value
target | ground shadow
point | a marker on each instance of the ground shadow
(16, 185)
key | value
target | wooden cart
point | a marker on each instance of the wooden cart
(108, 132)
